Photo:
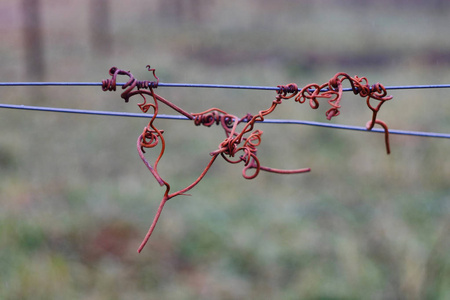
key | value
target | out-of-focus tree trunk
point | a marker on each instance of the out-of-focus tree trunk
(34, 48)
(100, 27)
(441, 5)
(185, 10)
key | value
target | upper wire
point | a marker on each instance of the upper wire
(214, 86)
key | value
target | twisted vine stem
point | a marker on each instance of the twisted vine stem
(238, 146)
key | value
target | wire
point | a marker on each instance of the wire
(176, 117)
(215, 86)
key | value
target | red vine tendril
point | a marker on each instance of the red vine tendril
(238, 146)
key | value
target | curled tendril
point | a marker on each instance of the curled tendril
(238, 146)
(287, 91)
(333, 89)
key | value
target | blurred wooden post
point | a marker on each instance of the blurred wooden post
(32, 31)
(184, 10)
(100, 32)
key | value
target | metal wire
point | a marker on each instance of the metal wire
(179, 117)
(215, 86)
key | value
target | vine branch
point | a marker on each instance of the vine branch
(238, 146)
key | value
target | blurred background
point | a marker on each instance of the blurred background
(76, 201)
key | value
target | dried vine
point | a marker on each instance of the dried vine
(238, 146)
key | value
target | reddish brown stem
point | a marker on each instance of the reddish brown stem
(280, 171)
(152, 227)
(369, 126)
(168, 196)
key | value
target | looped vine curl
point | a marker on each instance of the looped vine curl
(333, 89)
(238, 146)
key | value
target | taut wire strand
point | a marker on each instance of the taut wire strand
(266, 121)
(214, 86)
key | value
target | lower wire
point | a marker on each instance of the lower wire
(268, 121)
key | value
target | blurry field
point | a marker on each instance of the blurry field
(75, 199)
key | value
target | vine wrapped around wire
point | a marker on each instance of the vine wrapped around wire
(238, 146)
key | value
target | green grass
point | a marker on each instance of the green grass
(75, 199)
